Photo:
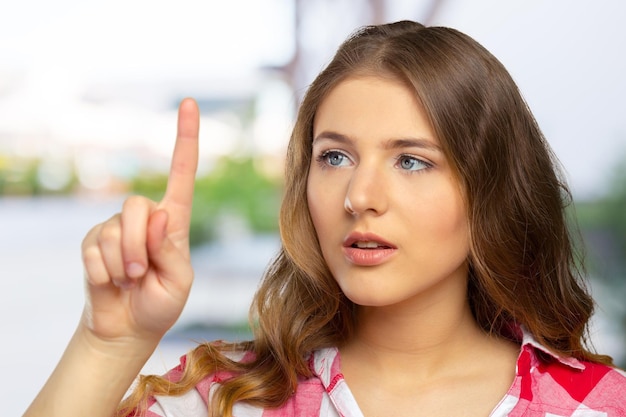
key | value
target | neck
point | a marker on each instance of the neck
(424, 336)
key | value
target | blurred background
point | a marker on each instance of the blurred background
(88, 96)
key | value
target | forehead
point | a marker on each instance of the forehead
(372, 106)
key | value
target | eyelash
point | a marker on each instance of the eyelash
(323, 161)
(426, 165)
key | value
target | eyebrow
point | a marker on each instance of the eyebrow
(389, 144)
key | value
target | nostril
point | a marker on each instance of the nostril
(348, 205)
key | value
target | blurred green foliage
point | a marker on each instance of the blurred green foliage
(235, 188)
(21, 176)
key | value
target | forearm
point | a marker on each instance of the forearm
(91, 377)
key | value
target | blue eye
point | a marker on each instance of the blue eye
(335, 158)
(410, 163)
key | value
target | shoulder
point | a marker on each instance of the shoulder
(563, 386)
(594, 386)
(550, 384)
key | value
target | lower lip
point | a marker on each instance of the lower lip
(368, 257)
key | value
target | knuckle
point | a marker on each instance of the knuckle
(135, 202)
(90, 238)
(91, 255)
(110, 232)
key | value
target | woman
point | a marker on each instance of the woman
(426, 265)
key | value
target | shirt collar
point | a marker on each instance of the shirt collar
(527, 339)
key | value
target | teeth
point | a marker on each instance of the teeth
(366, 245)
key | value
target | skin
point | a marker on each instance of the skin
(138, 276)
(378, 174)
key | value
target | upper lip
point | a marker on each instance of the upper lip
(355, 237)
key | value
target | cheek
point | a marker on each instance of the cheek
(455, 225)
(445, 216)
(452, 215)
(325, 200)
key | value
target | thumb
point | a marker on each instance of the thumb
(157, 233)
(171, 265)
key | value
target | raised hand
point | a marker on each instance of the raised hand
(138, 277)
(137, 266)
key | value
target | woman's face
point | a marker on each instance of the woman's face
(386, 206)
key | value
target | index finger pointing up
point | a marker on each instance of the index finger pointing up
(179, 192)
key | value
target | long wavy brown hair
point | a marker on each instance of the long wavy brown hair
(523, 266)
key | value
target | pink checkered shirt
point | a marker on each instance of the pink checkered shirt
(564, 387)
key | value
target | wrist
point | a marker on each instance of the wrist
(125, 348)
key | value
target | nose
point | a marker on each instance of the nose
(366, 192)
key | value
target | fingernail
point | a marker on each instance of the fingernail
(135, 270)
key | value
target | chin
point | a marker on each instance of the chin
(370, 298)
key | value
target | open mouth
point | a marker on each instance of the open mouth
(368, 245)
(367, 249)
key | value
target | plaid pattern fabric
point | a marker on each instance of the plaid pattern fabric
(562, 387)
